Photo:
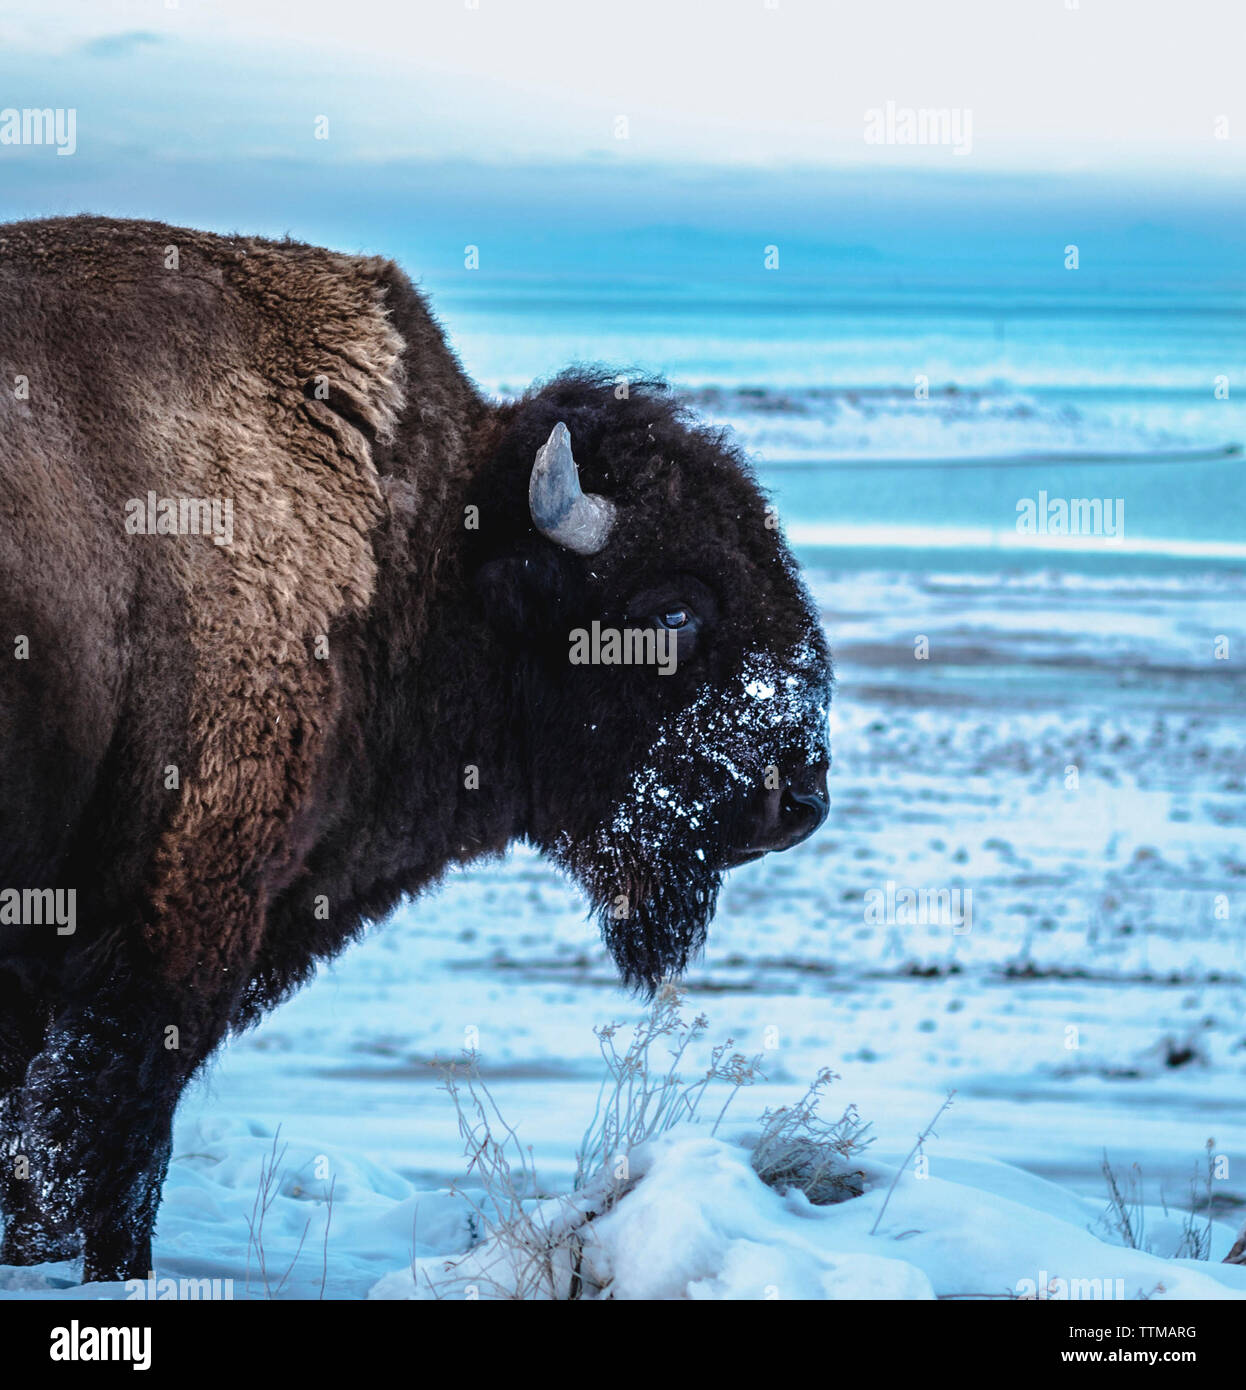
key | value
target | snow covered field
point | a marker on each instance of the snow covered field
(1095, 1002)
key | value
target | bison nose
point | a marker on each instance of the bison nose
(786, 816)
(801, 812)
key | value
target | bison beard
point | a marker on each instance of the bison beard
(652, 921)
(666, 929)
(653, 873)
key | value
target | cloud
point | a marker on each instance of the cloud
(119, 45)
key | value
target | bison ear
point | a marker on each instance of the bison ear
(525, 595)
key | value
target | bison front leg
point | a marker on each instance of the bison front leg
(28, 1238)
(95, 1118)
(32, 1234)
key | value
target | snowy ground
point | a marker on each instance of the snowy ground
(1095, 1004)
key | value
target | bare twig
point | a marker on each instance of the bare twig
(916, 1149)
(1119, 1204)
(324, 1249)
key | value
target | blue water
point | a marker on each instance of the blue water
(1124, 378)
(1089, 395)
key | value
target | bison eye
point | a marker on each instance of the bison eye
(680, 604)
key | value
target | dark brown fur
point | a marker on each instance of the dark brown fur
(321, 684)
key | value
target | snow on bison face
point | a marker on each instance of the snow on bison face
(674, 681)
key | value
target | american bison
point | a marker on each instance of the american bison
(285, 606)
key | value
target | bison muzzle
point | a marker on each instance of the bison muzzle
(285, 606)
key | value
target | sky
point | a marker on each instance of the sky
(1054, 85)
(662, 138)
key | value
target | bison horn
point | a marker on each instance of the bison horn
(561, 509)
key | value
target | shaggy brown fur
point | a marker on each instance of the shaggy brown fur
(237, 755)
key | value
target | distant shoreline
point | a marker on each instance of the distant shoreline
(1210, 454)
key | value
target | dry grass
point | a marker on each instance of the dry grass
(530, 1245)
(643, 1095)
(267, 1191)
(1125, 1217)
(534, 1248)
(797, 1148)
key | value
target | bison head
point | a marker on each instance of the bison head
(650, 778)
